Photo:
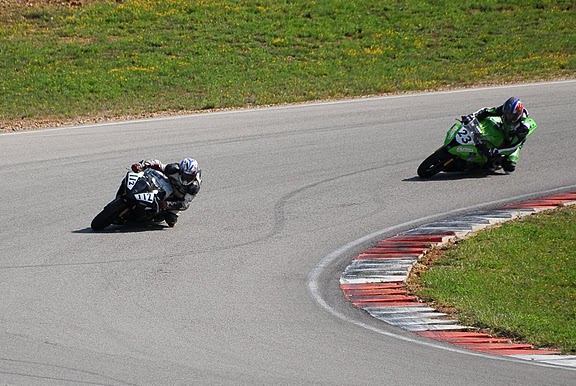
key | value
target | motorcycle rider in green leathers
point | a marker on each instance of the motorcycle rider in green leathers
(515, 130)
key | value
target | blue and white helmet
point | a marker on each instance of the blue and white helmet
(512, 110)
(188, 170)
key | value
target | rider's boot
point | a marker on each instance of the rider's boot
(508, 166)
(171, 219)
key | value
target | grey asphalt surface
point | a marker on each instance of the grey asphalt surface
(223, 297)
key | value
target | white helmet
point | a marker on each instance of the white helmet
(188, 170)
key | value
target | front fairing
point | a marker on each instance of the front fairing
(139, 188)
(146, 189)
(147, 186)
(160, 183)
(461, 140)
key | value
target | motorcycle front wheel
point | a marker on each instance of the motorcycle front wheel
(435, 163)
(108, 214)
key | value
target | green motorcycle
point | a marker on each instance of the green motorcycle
(460, 151)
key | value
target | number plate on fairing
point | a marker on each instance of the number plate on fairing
(131, 180)
(145, 197)
(464, 137)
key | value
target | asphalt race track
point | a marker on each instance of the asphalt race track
(224, 297)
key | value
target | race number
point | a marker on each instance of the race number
(464, 137)
(131, 181)
(145, 197)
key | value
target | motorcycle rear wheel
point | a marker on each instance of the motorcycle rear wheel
(435, 163)
(108, 214)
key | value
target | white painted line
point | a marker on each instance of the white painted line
(315, 293)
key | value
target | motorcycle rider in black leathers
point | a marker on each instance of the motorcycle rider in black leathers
(515, 131)
(186, 179)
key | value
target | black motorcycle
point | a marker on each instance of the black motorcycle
(137, 201)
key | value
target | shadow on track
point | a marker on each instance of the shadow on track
(125, 228)
(454, 176)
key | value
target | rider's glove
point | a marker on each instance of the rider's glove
(171, 205)
(493, 153)
(466, 119)
(137, 167)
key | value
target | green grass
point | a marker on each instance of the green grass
(143, 56)
(518, 280)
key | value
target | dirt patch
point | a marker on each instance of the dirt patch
(25, 124)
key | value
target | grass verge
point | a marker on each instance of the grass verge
(516, 280)
(131, 57)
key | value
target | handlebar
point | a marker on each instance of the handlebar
(472, 126)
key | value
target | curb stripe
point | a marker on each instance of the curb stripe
(375, 280)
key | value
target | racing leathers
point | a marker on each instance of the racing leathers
(514, 137)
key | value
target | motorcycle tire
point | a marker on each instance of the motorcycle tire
(435, 163)
(108, 214)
